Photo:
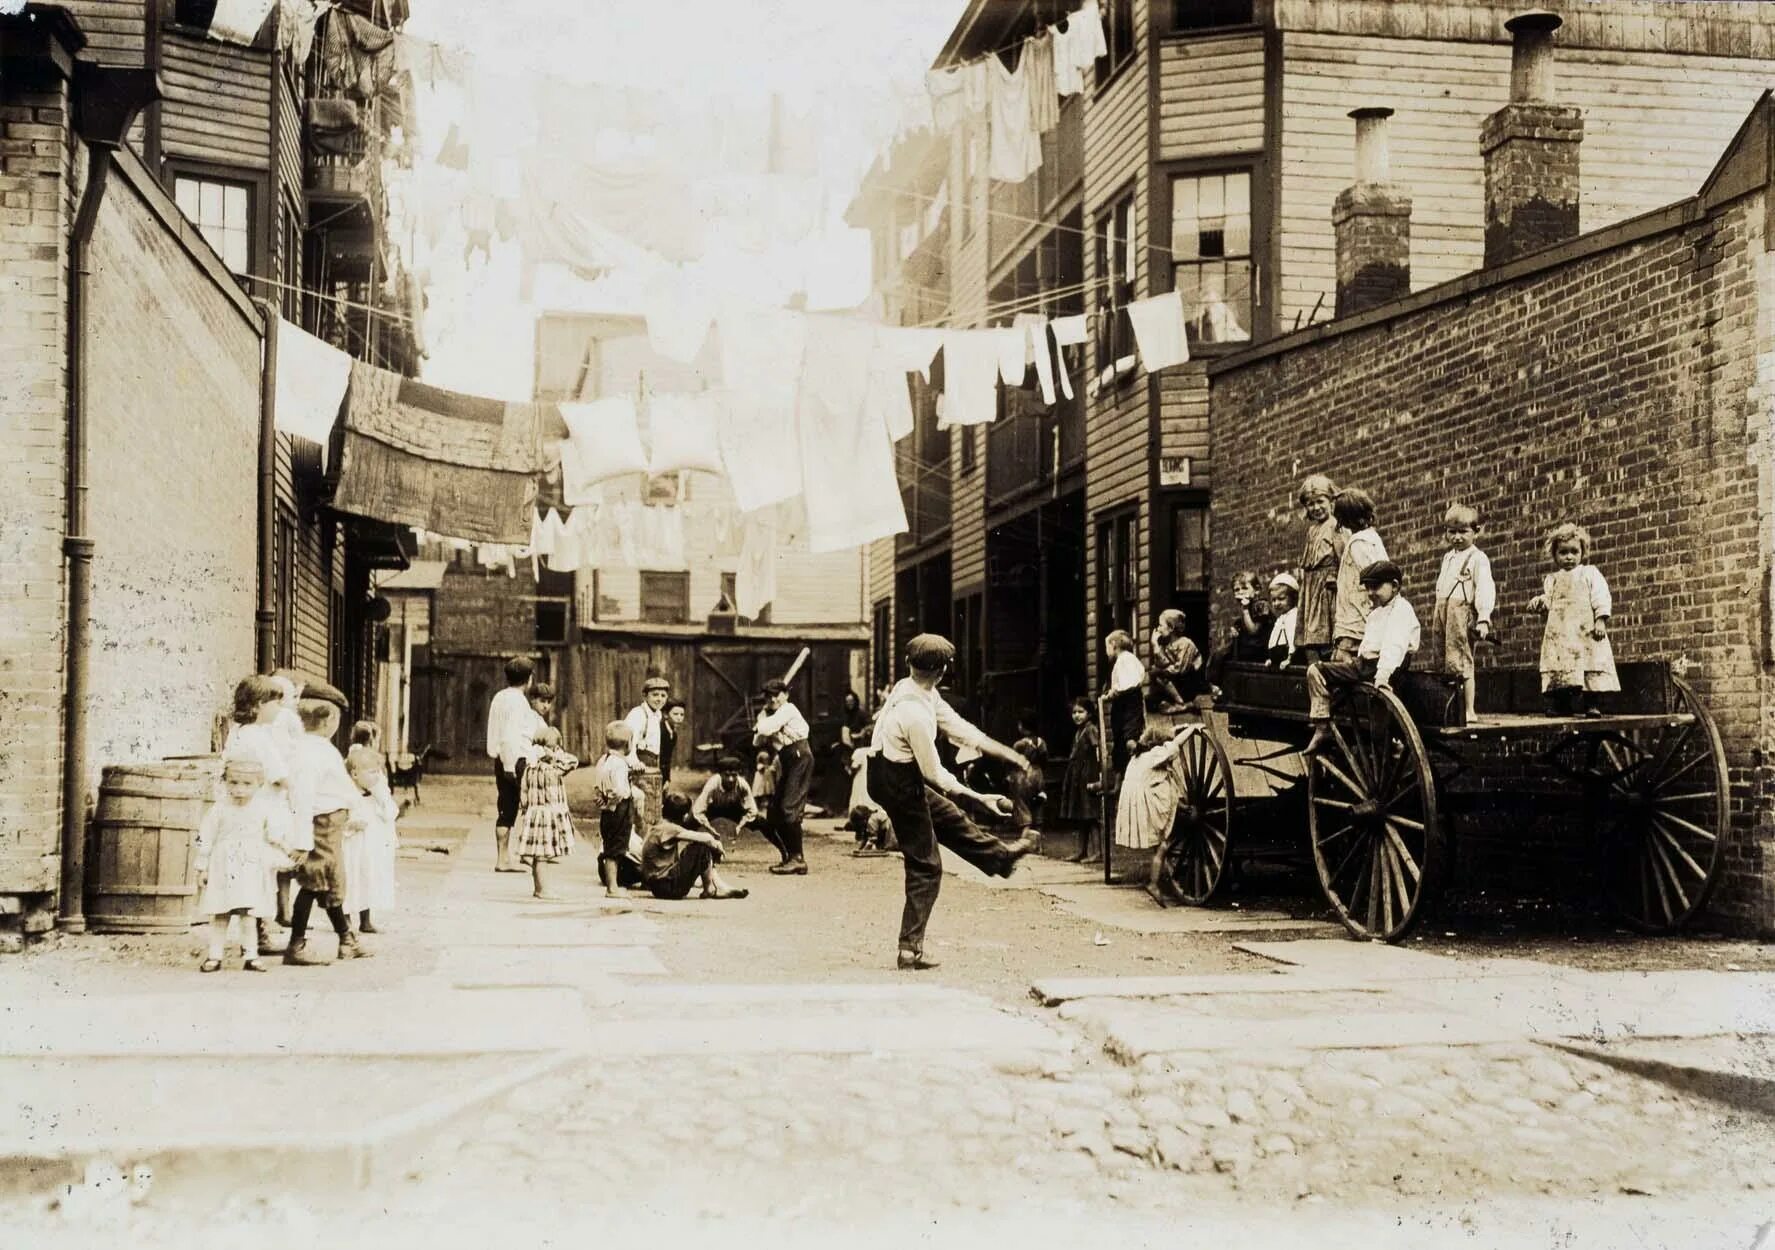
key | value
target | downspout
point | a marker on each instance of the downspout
(77, 546)
(265, 629)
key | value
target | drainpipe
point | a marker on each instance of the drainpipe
(266, 618)
(106, 102)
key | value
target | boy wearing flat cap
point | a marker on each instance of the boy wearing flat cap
(908, 780)
(646, 722)
(1389, 638)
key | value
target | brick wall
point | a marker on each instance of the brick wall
(35, 158)
(485, 611)
(173, 410)
(1626, 388)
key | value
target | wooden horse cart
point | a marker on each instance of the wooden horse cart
(1377, 811)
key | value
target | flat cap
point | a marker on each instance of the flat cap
(1381, 571)
(929, 651)
(655, 683)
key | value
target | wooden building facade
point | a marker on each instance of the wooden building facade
(1214, 139)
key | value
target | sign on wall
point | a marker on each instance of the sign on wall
(1174, 470)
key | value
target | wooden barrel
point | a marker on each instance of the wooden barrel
(139, 874)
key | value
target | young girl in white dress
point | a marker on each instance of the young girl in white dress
(1150, 792)
(369, 868)
(1577, 662)
(238, 855)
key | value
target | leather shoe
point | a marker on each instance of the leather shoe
(298, 955)
(790, 868)
(915, 961)
(1015, 851)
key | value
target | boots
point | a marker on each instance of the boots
(266, 945)
(299, 955)
(351, 948)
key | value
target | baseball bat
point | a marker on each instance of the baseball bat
(796, 666)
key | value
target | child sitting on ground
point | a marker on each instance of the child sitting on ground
(237, 858)
(1354, 510)
(1390, 636)
(1284, 601)
(544, 832)
(615, 799)
(678, 854)
(1577, 660)
(1465, 597)
(1148, 804)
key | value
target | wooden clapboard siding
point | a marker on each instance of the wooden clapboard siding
(968, 307)
(967, 525)
(819, 589)
(113, 28)
(1117, 428)
(1210, 96)
(1655, 124)
(218, 102)
(1183, 418)
(1718, 27)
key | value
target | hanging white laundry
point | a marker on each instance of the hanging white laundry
(1016, 150)
(956, 93)
(755, 581)
(605, 442)
(761, 354)
(1068, 332)
(1069, 78)
(1090, 44)
(312, 376)
(542, 538)
(849, 487)
(679, 313)
(568, 555)
(970, 377)
(1035, 327)
(909, 349)
(659, 540)
(889, 402)
(685, 433)
(1013, 354)
(1159, 330)
(1038, 71)
(239, 21)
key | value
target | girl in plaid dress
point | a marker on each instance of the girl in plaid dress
(544, 831)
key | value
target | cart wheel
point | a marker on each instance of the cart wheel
(1194, 861)
(1371, 815)
(1661, 802)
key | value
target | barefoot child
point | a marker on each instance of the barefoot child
(260, 736)
(1389, 638)
(1177, 663)
(725, 804)
(1576, 658)
(1150, 792)
(678, 855)
(326, 799)
(615, 798)
(544, 832)
(370, 872)
(1317, 581)
(237, 858)
(1465, 597)
(1078, 794)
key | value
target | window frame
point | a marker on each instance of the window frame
(881, 631)
(255, 184)
(1177, 26)
(1116, 253)
(1261, 257)
(677, 578)
(1121, 35)
(1117, 528)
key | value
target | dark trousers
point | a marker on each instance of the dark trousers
(614, 827)
(924, 821)
(788, 805)
(1127, 721)
(693, 861)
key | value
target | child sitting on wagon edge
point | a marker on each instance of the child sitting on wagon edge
(1389, 637)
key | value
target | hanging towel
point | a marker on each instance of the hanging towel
(1035, 328)
(1159, 331)
(311, 378)
(755, 581)
(851, 492)
(890, 402)
(678, 316)
(685, 433)
(239, 21)
(1016, 150)
(1044, 97)
(1069, 77)
(569, 553)
(970, 377)
(1068, 332)
(909, 349)
(604, 442)
(1013, 354)
(956, 93)
(761, 354)
(659, 540)
(542, 538)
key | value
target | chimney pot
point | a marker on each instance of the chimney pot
(1373, 158)
(1531, 54)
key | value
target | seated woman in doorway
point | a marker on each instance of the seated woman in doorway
(677, 855)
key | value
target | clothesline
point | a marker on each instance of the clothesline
(1027, 303)
(335, 299)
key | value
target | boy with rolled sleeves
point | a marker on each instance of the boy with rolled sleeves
(1389, 637)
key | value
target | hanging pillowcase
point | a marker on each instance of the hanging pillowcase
(605, 442)
(685, 435)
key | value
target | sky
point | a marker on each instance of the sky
(851, 67)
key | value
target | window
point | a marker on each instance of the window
(970, 447)
(1116, 265)
(730, 591)
(1118, 34)
(970, 651)
(291, 273)
(1118, 573)
(665, 598)
(223, 212)
(1207, 14)
(554, 594)
(1191, 569)
(882, 644)
(1211, 254)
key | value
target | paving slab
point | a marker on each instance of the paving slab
(1613, 1005)
(1130, 1037)
(1380, 962)
(588, 972)
(789, 1032)
(316, 1022)
(1052, 991)
(1133, 910)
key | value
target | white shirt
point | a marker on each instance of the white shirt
(520, 735)
(1466, 576)
(1389, 636)
(782, 727)
(1282, 632)
(906, 732)
(1127, 674)
(507, 705)
(645, 722)
(713, 787)
(1364, 548)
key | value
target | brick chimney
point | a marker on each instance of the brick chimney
(1531, 151)
(1372, 219)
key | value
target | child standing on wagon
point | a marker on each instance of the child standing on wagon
(1354, 510)
(1465, 598)
(1317, 580)
(1577, 662)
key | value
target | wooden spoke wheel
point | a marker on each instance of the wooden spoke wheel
(1371, 816)
(1193, 864)
(1660, 802)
